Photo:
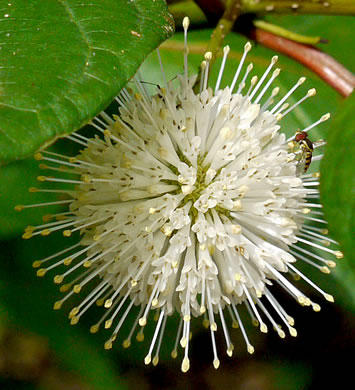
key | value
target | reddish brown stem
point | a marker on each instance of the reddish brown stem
(325, 66)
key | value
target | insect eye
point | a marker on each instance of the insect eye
(300, 136)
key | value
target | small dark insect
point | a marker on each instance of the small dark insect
(306, 147)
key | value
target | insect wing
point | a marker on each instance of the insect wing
(301, 164)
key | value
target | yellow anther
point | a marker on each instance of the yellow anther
(47, 217)
(263, 328)
(67, 261)
(108, 344)
(142, 321)
(185, 365)
(235, 325)
(338, 254)
(33, 189)
(86, 178)
(73, 312)
(255, 322)
(306, 210)
(126, 343)
(67, 233)
(292, 144)
(147, 359)
(108, 303)
(87, 264)
(329, 297)
(43, 166)
(211, 249)
(19, 207)
(183, 342)
(206, 323)
(77, 288)
(65, 287)
(108, 324)
(140, 337)
(174, 354)
(58, 279)
(155, 360)
(41, 178)
(290, 320)
(236, 229)
(36, 264)
(57, 305)
(94, 328)
(250, 349)
(27, 235)
(38, 156)
(237, 205)
(316, 307)
(41, 272)
(293, 332)
(45, 232)
(74, 320)
(72, 159)
(216, 363)
(100, 302)
(279, 116)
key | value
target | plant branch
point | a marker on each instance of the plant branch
(325, 66)
(326, 7)
(224, 26)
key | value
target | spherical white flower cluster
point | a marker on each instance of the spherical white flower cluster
(188, 203)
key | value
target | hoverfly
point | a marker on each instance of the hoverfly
(306, 148)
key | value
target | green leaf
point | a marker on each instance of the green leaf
(16, 179)
(337, 178)
(63, 61)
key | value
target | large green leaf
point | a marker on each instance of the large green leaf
(63, 61)
(338, 180)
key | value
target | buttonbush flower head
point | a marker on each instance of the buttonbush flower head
(191, 204)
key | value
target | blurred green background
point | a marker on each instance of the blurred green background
(39, 349)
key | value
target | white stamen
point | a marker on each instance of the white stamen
(226, 50)
(247, 48)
